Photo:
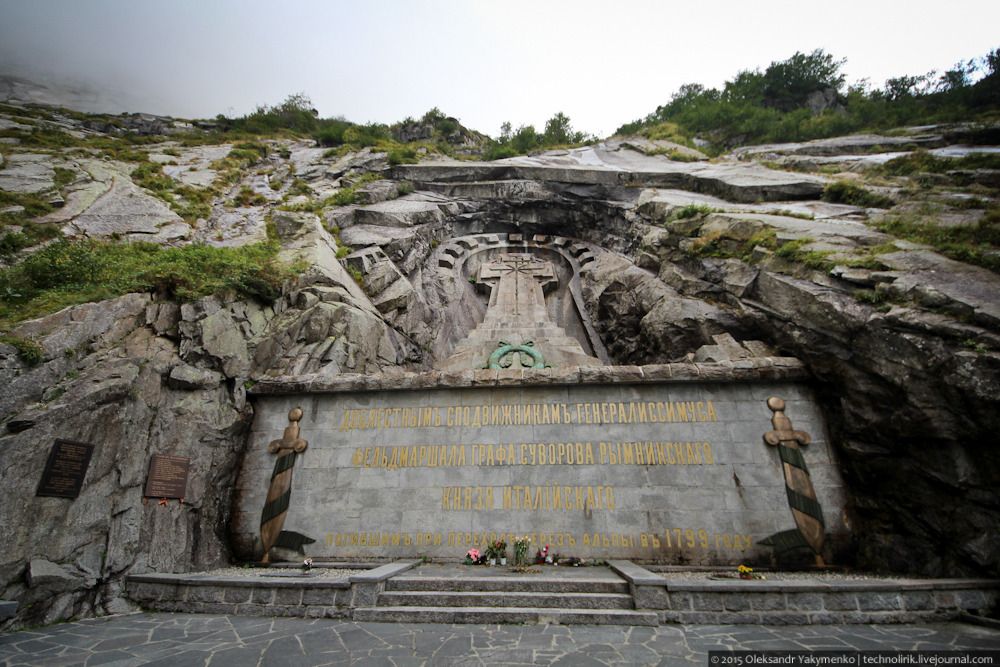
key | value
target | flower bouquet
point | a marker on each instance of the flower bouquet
(521, 550)
(500, 548)
(746, 572)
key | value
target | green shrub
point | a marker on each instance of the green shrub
(772, 106)
(332, 132)
(406, 155)
(499, 152)
(12, 242)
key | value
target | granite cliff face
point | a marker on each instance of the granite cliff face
(903, 343)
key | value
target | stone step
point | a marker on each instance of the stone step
(506, 615)
(504, 599)
(509, 584)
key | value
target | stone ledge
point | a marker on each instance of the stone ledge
(262, 581)
(384, 572)
(874, 585)
(744, 370)
(636, 574)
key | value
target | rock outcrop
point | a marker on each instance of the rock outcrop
(700, 259)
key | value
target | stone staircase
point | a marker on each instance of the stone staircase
(509, 599)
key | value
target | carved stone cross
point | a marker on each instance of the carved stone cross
(521, 279)
(279, 493)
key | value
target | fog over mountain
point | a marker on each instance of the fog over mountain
(482, 62)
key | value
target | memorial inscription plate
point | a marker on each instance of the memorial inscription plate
(65, 469)
(167, 477)
(667, 472)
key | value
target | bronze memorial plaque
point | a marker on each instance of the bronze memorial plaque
(167, 476)
(65, 469)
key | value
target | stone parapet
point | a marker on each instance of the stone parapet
(687, 602)
(311, 597)
(798, 602)
(742, 370)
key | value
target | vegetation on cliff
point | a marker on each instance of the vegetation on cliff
(558, 133)
(804, 97)
(69, 272)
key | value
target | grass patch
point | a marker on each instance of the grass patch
(719, 247)
(785, 213)
(356, 275)
(674, 154)
(63, 176)
(31, 235)
(299, 187)
(248, 153)
(34, 205)
(689, 211)
(247, 197)
(845, 192)
(923, 162)
(67, 273)
(349, 195)
(667, 131)
(794, 251)
(870, 296)
(186, 201)
(28, 350)
(977, 244)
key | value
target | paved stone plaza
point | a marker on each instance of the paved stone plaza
(216, 641)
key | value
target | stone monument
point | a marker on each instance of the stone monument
(525, 430)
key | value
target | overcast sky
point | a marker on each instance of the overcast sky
(601, 63)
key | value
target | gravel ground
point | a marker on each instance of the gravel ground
(284, 572)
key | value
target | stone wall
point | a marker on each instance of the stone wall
(623, 464)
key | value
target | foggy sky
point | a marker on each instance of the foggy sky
(601, 63)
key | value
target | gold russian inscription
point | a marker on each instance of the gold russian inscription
(532, 453)
(527, 414)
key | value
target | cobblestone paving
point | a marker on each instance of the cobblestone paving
(216, 641)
